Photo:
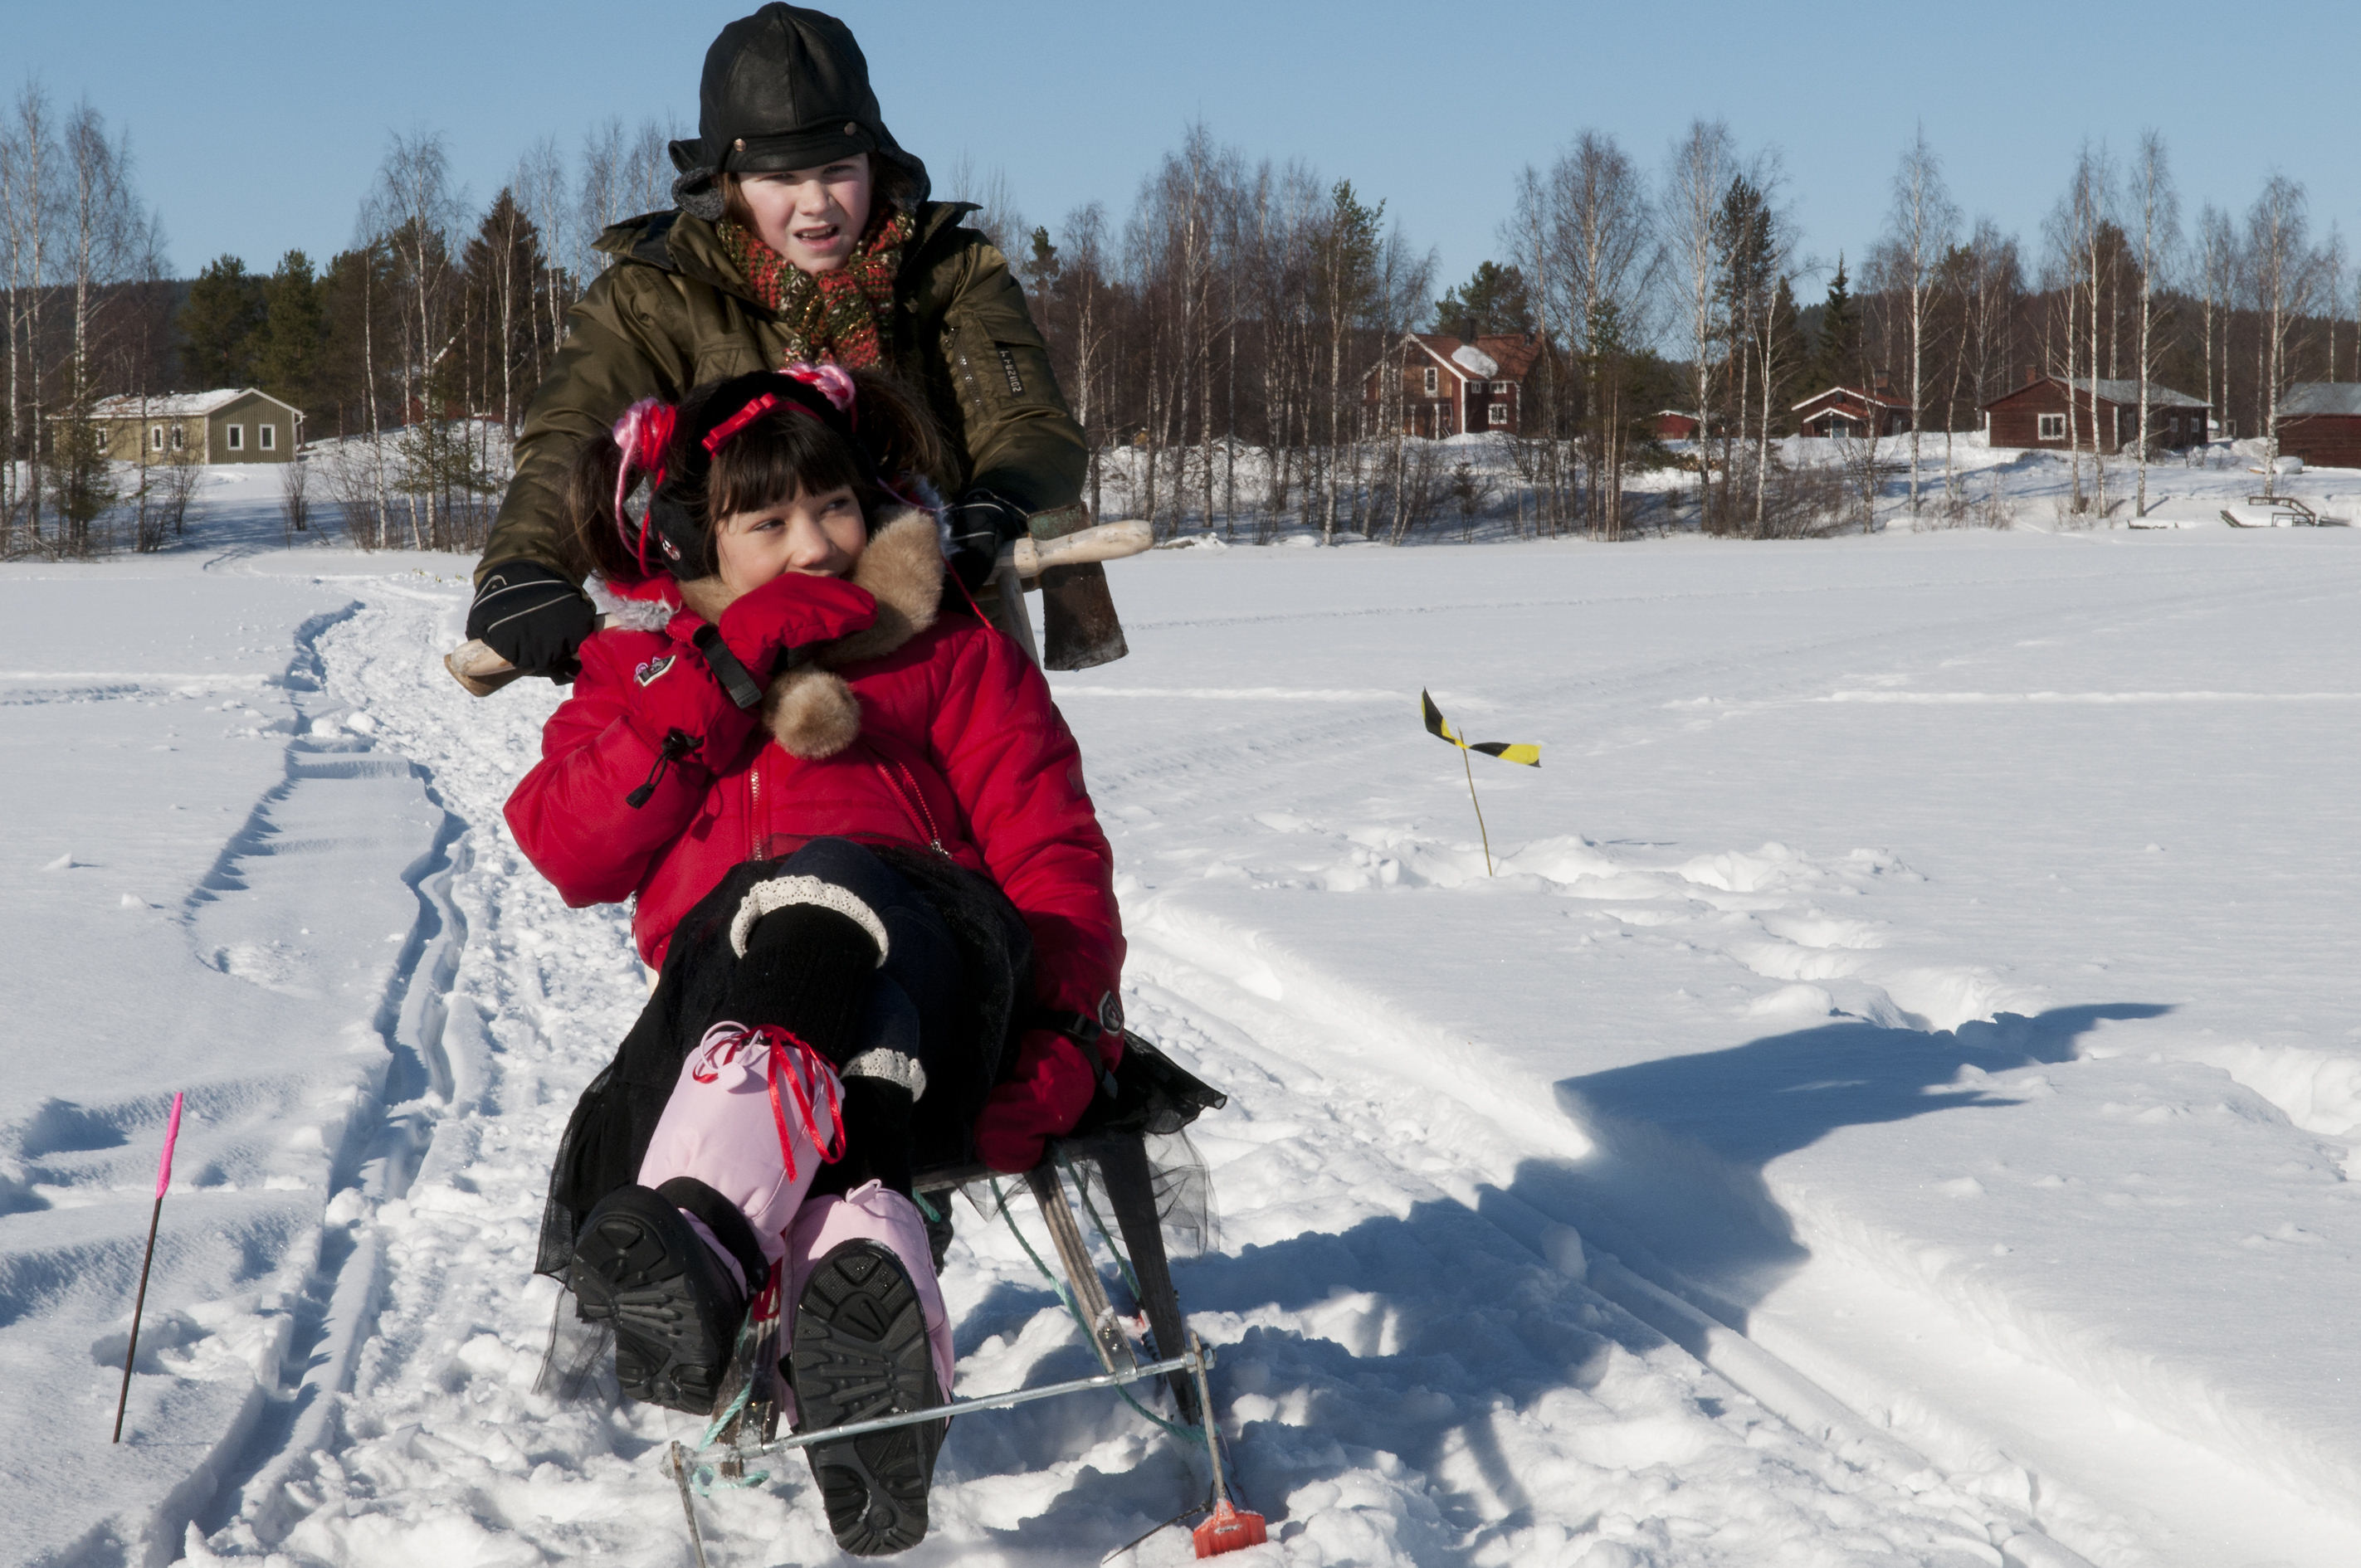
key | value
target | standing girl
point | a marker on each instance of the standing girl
(864, 863)
(802, 232)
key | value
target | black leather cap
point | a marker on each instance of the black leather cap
(785, 88)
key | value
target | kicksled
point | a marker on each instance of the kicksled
(1149, 1344)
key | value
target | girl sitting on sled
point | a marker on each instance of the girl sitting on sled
(867, 871)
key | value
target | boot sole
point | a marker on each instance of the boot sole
(860, 1351)
(632, 1269)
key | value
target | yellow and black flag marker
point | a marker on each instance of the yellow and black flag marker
(1440, 728)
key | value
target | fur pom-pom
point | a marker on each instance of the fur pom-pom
(812, 713)
(901, 568)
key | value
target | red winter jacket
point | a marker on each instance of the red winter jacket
(954, 742)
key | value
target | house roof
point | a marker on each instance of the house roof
(1506, 355)
(2123, 393)
(1855, 393)
(2128, 392)
(179, 405)
(1514, 352)
(2321, 398)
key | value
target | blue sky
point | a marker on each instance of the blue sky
(257, 124)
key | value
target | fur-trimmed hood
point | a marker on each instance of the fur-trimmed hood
(809, 709)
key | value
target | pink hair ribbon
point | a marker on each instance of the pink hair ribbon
(831, 382)
(643, 433)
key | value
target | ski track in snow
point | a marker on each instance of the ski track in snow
(1498, 1411)
(1422, 1361)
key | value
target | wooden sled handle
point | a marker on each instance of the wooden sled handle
(483, 671)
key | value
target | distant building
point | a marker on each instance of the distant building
(235, 425)
(1674, 426)
(2036, 414)
(1450, 386)
(1850, 411)
(2320, 422)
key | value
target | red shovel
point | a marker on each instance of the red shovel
(1230, 1530)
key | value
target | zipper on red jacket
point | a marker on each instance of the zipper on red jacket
(913, 801)
(753, 818)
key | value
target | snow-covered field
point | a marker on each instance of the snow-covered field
(1894, 1105)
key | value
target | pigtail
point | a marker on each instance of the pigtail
(593, 541)
(896, 429)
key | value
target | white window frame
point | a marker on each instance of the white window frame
(1499, 388)
(267, 437)
(1497, 414)
(237, 437)
(155, 438)
(1434, 382)
(180, 436)
(2049, 427)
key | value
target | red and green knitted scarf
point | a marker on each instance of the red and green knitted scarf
(833, 315)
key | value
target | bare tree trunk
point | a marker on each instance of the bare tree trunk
(2158, 220)
(1921, 225)
(1701, 169)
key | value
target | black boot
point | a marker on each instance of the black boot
(860, 1351)
(640, 1265)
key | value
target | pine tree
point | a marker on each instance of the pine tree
(1493, 299)
(1838, 361)
(219, 326)
(288, 343)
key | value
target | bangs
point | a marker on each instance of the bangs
(783, 455)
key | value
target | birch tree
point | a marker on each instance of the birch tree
(1919, 231)
(2217, 270)
(1702, 164)
(2159, 209)
(29, 200)
(2283, 277)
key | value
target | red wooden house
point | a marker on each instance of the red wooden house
(1450, 386)
(1674, 426)
(2320, 422)
(1850, 411)
(2036, 414)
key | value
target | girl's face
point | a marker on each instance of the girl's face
(819, 534)
(811, 216)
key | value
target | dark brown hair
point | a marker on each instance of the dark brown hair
(782, 454)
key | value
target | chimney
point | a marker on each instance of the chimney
(2031, 375)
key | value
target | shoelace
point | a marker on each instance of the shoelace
(809, 1080)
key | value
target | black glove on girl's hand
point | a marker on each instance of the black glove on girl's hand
(980, 523)
(532, 617)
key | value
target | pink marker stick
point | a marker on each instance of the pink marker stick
(140, 1305)
(171, 1136)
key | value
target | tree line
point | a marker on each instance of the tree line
(1219, 338)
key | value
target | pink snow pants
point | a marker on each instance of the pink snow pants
(719, 1128)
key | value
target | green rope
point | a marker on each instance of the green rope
(1092, 1209)
(1090, 1335)
(705, 1478)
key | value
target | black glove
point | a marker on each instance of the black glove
(532, 617)
(980, 523)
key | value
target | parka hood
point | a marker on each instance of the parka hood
(785, 88)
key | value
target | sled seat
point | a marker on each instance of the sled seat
(1152, 1096)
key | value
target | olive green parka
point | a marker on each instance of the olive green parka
(674, 312)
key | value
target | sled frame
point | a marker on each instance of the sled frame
(1121, 1157)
